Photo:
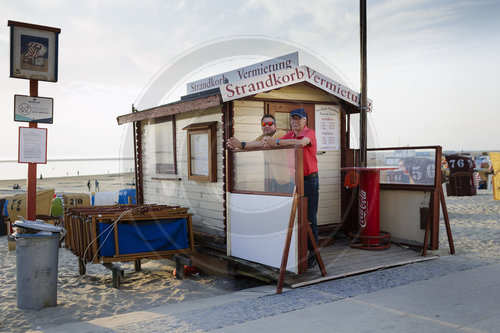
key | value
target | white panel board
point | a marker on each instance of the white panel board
(400, 213)
(106, 198)
(257, 229)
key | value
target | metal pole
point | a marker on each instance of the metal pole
(363, 102)
(31, 191)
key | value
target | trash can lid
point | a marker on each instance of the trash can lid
(40, 234)
(38, 225)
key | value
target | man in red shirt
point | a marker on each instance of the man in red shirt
(278, 177)
(302, 135)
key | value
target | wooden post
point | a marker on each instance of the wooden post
(286, 248)
(440, 194)
(31, 190)
(302, 210)
(427, 227)
(302, 239)
(316, 251)
(117, 245)
(447, 222)
(288, 240)
(94, 236)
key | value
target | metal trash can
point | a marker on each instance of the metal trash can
(37, 257)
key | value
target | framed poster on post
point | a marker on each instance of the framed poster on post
(33, 51)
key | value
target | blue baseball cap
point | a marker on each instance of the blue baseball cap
(299, 112)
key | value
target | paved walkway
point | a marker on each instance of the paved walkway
(448, 294)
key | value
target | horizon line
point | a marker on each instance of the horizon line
(79, 159)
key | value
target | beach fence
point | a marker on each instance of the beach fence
(128, 233)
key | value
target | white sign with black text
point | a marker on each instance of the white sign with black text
(327, 119)
(286, 61)
(33, 109)
(287, 77)
(32, 145)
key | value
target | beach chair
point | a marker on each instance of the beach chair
(3, 224)
(460, 182)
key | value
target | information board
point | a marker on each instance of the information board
(32, 145)
(327, 120)
(199, 154)
(33, 109)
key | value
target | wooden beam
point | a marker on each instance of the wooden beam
(447, 222)
(316, 250)
(32, 26)
(288, 240)
(427, 228)
(171, 109)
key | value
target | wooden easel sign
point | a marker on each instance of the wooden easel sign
(286, 248)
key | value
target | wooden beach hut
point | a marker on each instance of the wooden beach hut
(181, 159)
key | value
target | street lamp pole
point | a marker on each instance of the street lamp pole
(363, 95)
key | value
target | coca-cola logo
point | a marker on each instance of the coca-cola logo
(363, 208)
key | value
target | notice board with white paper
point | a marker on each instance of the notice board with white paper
(32, 145)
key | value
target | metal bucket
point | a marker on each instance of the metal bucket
(37, 259)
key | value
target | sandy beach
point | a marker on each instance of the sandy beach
(474, 221)
(92, 295)
(475, 226)
(72, 184)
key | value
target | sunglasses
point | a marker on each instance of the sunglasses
(268, 123)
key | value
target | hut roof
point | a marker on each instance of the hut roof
(217, 96)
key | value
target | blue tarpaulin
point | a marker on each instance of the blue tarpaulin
(143, 236)
(4, 207)
(124, 194)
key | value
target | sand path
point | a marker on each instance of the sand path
(475, 223)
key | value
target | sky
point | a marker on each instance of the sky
(432, 64)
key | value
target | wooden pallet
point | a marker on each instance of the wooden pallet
(340, 261)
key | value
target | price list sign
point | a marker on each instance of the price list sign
(328, 127)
